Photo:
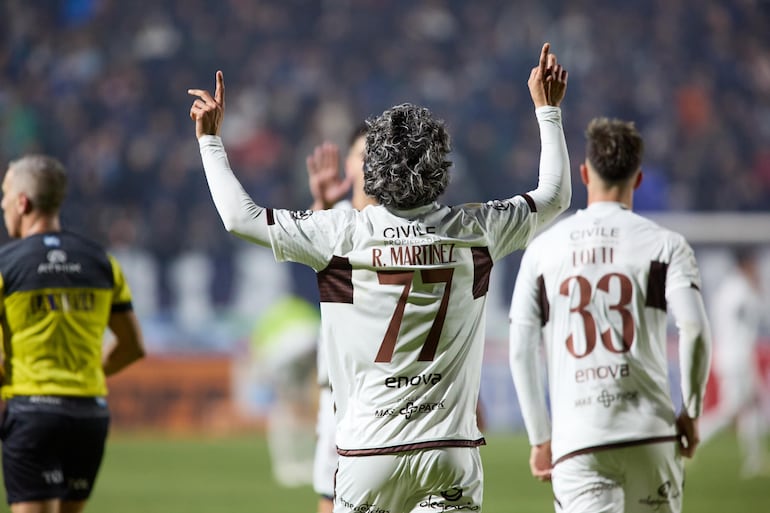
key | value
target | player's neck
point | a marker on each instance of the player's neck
(360, 199)
(602, 191)
(624, 196)
(37, 224)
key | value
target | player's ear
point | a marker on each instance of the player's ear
(584, 173)
(638, 179)
(23, 204)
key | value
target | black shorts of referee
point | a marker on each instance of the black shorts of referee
(52, 446)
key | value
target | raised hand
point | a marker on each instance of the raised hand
(208, 112)
(326, 185)
(556, 81)
(548, 80)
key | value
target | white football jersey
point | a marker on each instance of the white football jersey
(403, 301)
(322, 369)
(596, 285)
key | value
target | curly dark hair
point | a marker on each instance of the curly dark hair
(614, 148)
(405, 164)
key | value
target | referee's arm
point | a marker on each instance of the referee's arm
(128, 345)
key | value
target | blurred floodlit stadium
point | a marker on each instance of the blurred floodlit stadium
(101, 84)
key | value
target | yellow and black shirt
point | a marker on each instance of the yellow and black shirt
(57, 291)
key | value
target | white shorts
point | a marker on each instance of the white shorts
(422, 481)
(325, 461)
(642, 478)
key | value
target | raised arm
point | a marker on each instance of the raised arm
(547, 86)
(240, 215)
(323, 177)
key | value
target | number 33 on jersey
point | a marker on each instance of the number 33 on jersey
(596, 285)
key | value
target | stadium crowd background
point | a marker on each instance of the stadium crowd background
(101, 84)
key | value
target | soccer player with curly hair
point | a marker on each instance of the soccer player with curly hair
(403, 292)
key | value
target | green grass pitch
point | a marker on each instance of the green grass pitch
(157, 474)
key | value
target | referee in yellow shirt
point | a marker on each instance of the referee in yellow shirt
(58, 294)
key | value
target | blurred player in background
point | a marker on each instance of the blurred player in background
(403, 287)
(280, 368)
(594, 291)
(737, 314)
(329, 190)
(59, 293)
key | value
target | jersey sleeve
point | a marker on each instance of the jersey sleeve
(683, 268)
(512, 222)
(121, 294)
(683, 296)
(527, 317)
(554, 187)
(309, 237)
(239, 214)
(687, 308)
(305, 237)
(525, 303)
(510, 225)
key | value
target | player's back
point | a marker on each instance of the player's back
(603, 275)
(58, 290)
(410, 336)
(403, 299)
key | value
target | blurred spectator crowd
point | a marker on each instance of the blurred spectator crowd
(101, 84)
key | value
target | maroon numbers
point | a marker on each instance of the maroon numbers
(404, 278)
(584, 295)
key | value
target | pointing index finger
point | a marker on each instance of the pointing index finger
(219, 92)
(544, 58)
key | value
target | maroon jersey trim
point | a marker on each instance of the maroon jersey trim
(617, 445)
(530, 202)
(482, 268)
(656, 286)
(335, 282)
(375, 451)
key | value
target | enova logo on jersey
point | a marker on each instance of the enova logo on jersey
(411, 381)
